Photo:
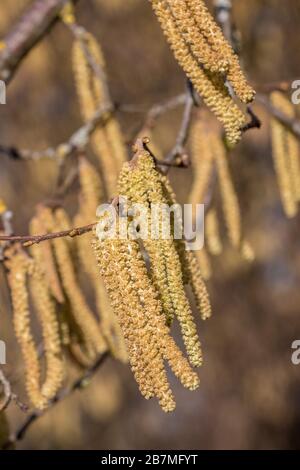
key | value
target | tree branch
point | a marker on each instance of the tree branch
(63, 394)
(292, 124)
(29, 30)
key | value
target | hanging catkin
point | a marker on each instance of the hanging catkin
(84, 318)
(139, 311)
(214, 36)
(191, 268)
(211, 165)
(141, 183)
(201, 60)
(89, 199)
(43, 255)
(107, 140)
(286, 156)
(212, 233)
(202, 158)
(45, 310)
(19, 265)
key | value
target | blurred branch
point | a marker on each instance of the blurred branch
(76, 143)
(6, 394)
(29, 30)
(179, 148)
(292, 124)
(283, 86)
(62, 395)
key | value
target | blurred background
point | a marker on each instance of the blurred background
(250, 390)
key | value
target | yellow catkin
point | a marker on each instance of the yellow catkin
(107, 140)
(211, 59)
(210, 86)
(212, 233)
(146, 176)
(45, 309)
(198, 286)
(108, 322)
(230, 202)
(204, 263)
(191, 268)
(90, 198)
(132, 185)
(202, 159)
(215, 38)
(19, 265)
(286, 156)
(43, 255)
(83, 316)
(90, 190)
(148, 339)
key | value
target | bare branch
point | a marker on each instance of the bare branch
(76, 143)
(29, 30)
(292, 124)
(62, 395)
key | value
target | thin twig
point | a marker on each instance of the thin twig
(62, 395)
(292, 124)
(76, 143)
(29, 240)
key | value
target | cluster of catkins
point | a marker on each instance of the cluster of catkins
(145, 280)
(286, 155)
(48, 278)
(207, 58)
(210, 161)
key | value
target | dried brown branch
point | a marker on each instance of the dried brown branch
(29, 30)
(79, 384)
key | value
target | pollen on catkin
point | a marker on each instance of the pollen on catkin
(212, 233)
(92, 90)
(286, 156)
(89, 198)
(211, 165)
(44, 256)
(46, 313)
(214, 36)
(18, 264)
(141, 182)
(199, 57)
(139, 310)
(94, 342)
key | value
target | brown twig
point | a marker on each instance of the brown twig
(292, 124)
(29, 240)
(76, 143)
(62, 395)
(29, 30)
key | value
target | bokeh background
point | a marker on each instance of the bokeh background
(250, 391)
